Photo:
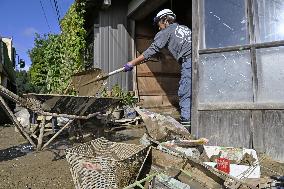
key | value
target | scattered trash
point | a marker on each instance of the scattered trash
(163, 181)
(186, 143)
(223, 164)
(192, 152)
(231, 160)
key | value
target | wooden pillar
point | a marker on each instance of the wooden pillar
(40, 137)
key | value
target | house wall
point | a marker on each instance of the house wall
(7, 73)
(111, 43)
(238, 74)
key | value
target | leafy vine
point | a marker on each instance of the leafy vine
(56, 57)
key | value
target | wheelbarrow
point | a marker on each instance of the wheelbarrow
(75, 108)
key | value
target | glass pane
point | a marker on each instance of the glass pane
(225, 77)
(270, 73)
(269, 20)
(225, 23)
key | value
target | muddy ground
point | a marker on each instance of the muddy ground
(45, 169)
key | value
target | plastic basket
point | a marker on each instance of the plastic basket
(102, 164)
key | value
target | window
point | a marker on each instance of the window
(225, 77)
(225, 23)
(245, 72)
(269, 20)
(270, 73)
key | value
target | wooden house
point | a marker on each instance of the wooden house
(237, 65)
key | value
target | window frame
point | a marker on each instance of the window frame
(252, 46)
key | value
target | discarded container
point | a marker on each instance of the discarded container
(129, 112)
(102, 164)
(237, 157)
(223, 164)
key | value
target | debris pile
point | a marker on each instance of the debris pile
(168, 157)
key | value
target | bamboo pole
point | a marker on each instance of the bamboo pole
(69, 116)
(12, 96)
(58, 132)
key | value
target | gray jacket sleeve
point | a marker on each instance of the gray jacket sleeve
(160, 41)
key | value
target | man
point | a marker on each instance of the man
(177, 39)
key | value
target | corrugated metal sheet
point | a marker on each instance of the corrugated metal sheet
(111, 41)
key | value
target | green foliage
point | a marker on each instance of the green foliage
(127, 98)
(39, 68)
(116, 91)
(55, 58)
(23, 83)
(8, 64)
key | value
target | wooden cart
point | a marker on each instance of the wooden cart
(75, 108)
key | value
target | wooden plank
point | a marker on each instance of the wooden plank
(40, 137)
(157, 86)
(139, 9)
(242, 47)
(170, 100)
(56, 134)
(240, 106)
(150, 66)
(195, 58)
(249, 6)
(225, 128)
(134, 5)
(151, 101)
(158, 74)
(268, 132)
(162, 100)
(132, 54)
(164, 63)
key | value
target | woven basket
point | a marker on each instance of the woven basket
(102, 164)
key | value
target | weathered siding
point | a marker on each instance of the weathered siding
(111, 43)
(268, 130)
(226, 127)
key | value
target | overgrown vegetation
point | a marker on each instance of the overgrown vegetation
(55, 58)
(23, 83)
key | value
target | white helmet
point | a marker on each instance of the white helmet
(163, 13)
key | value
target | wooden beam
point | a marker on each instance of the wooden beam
(139, 9)
(241, 106)
(158, 74)
(242, 47)
(69, 116)
(134, 5)
(196, 19)
(40, 137)
(56, 134)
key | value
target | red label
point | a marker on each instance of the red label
(223, 164)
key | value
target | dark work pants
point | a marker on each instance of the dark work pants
(184, 91)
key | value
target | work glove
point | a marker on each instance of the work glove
(128, 67)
